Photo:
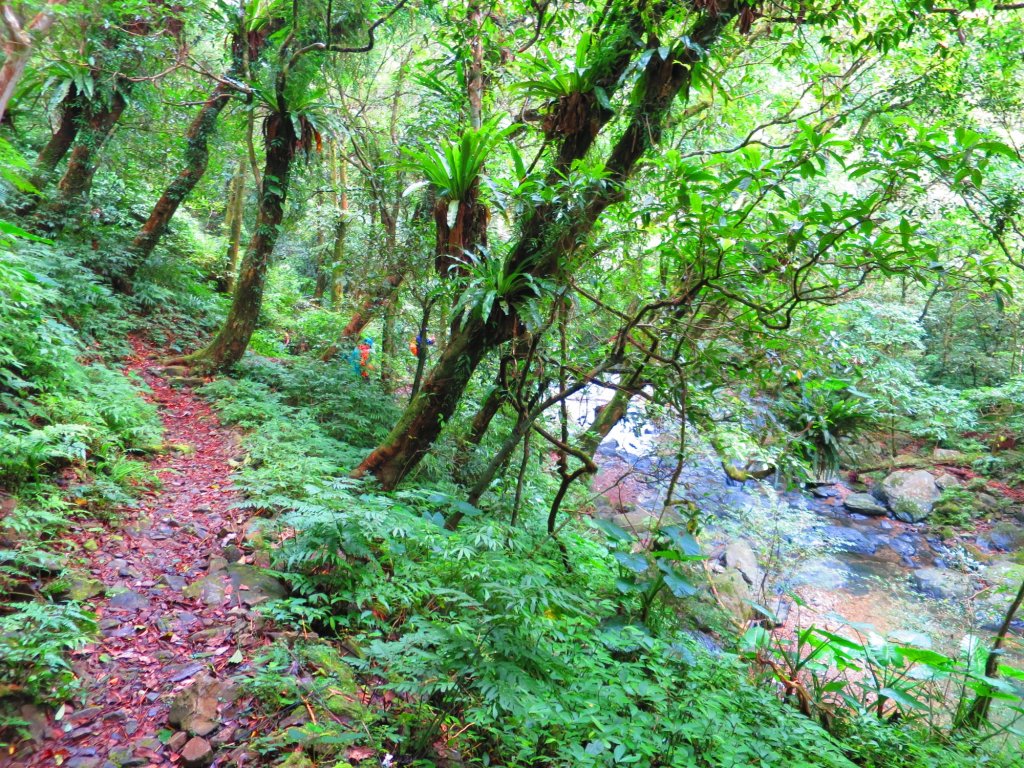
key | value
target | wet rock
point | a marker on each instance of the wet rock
(83, 587)
(903, 545)
(849, 539)
(87, 761)
(706, 641)
(212, 589)
(129, 601)
(734, 593)
(217, 563)
(253, 585)
(823, 572)
(196, 709)
(911, 494)
(197, 753)
(865, 504)
(232, 553)
(1007, 536)
(941, 583)
(946, 480)
(740, 556)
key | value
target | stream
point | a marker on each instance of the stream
(892, 575)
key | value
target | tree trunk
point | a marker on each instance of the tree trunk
(235, 217)
(546, 239)
(488, 410)
(98, 123)
(388, 345)
(425, 416)
(18, 48)
(71, 114)
(197, 156)
(978, 711)
(340, 234)
(230, 343)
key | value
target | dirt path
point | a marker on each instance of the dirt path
(171, 608)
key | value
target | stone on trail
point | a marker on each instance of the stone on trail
(865, 504)
(253, 585)
(211, 589)
(197, 753)
(911, 494)
(129, 601)
(83, 587)
(196, 709)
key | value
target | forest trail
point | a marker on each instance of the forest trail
(172, 610)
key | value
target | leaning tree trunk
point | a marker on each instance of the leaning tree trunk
(98, 123)
(230, 343)
(63, 136)
(197, 156)
(547, 240)
(433, 406)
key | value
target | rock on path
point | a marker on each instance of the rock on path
(158, 640)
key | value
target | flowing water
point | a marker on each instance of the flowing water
(874, 570)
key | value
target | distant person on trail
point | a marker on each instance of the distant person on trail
(414, 345)
(360, 358)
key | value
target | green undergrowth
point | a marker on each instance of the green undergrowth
(493, 644)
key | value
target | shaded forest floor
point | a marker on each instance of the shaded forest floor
(172, 595)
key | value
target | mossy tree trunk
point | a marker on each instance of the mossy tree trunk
(231, 341)
(235, 219)
(98, 121)
(60, 141)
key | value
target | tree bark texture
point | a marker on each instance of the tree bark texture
(63, 136)
(98, 121)
(546, 239)
(231, 341)
(235, 217)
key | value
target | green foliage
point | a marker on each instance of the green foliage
(485, 625)
(844, 679)
(34, 638)
(826, 413)
(454, 168)
(956, 506)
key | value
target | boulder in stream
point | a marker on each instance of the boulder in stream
(865, 504)
(942, 583)
(911, 494)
